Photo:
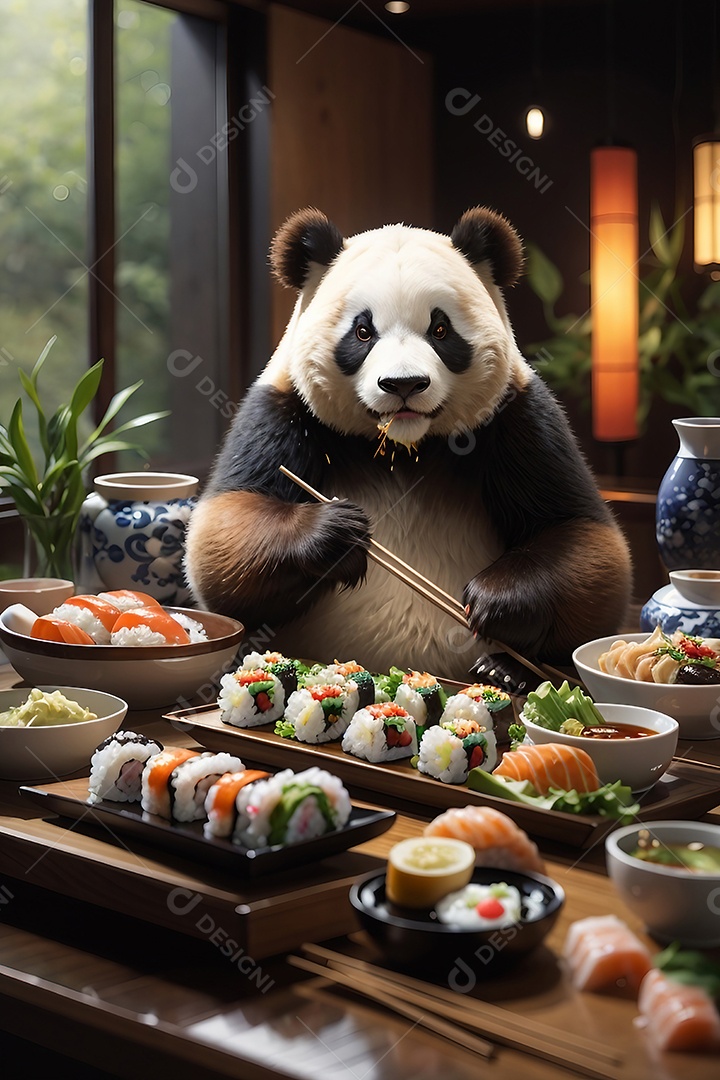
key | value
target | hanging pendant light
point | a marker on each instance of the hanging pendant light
(614, 292)
(706, 190)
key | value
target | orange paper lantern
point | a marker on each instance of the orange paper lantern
(706, 188)
(614, 293)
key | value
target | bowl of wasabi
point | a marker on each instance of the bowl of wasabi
(51, 731)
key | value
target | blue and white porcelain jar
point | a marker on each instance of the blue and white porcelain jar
(690, 604)
(687, 518)
(132, 534)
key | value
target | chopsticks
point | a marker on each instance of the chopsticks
(450, 605)
(520, 1032)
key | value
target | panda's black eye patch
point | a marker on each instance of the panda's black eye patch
(356, 343)
(454, 351)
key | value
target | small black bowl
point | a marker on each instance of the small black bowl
(416, 938)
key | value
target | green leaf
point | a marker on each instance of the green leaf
(113, 409)
(41, 359)
(139, 421)
(543, 276)
(108, 446)
(31, 390)
(16, 434)
(657, 234)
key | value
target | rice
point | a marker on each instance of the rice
(192, 780)
(462, 707)
(443, 756)
(309, 720)
(85, 619)
(137, 635)
(116, 767)
(241, 707)
(311, 797)
(367, 737)
(194, 629)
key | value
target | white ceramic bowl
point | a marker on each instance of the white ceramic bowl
(41, 595)
(147, 677)
(675, 905)
(40, 753)
(639, 763)
(696, 708)
(699, 586)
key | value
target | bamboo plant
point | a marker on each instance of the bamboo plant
(49, 495)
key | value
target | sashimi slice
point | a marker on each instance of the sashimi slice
(602, 952)
(550, 765)
(678, 1017)
(50, 628)
(497, 840)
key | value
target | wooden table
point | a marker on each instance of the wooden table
(130, 998)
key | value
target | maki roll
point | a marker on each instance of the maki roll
(117, 764)
(148, 626)
(291, 807)
(175, 782)
(251, 697)
(382, 732)
(342, 672)
(221, 801)
(321, 713)
(421, 695)
(464, 706)
(449, 750)
(96, 617)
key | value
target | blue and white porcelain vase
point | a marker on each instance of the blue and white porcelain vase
(687, 517)
(131, 534)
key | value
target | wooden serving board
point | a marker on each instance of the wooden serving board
(87, 859)
(688, 790)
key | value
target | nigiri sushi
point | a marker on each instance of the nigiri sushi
(601, 952)
(51, 628)
(96, 617)
(497, 840)
(148, 626)
(677, 1016)
(550, 765)
(128, 599)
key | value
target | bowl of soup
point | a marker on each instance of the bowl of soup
(668, 873)
(633, 745)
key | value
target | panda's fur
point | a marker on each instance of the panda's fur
(479, 483)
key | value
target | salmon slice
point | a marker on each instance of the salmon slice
(602, 952)
(550, 765)
(497, 840)
(226, 788)
(156, 619)
(678, 1017)
(124, 597)
(105, 612)
(50, 628)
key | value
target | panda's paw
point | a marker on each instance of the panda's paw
(337, 551)
(509, 611)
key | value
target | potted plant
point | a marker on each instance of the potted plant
(49, 494)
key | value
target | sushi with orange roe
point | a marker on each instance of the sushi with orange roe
(128, 599)
(550, 765)
(677, 1016)
(51, 628)
(148, 626)
(96, 617)
(601, 953)
(497, 840)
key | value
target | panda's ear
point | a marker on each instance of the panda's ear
(482, 235)
(307, 236)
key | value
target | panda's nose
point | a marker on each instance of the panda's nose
(413, 384)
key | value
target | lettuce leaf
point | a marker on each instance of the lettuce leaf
(610, 801)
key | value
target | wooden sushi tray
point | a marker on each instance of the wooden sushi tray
(688, 790)
(89, 859)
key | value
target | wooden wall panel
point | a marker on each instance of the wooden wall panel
(351, 129)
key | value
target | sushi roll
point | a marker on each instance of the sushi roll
(50, 628)
(342, 672)
(148, 626)
(291, 807)
(382, 732)
(96, 617)
(281, 667)
(321, 713)
(421, 695)
(175, 782)
(117, 764)
(492, 698)
(251, 697)
(449, 750)
(463, 706)
(128, 599)
(497, 840)
(221, 801)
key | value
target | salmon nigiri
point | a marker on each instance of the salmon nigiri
(602, 952)
(550, 765)
(51, 628)
(148, 626)
(96, 617)
(677, 1016)
(129, 599)
(497, 840)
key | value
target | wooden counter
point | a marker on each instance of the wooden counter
(129, 997)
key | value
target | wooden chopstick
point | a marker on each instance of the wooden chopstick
(450, 605)
(383, 995)
(520, 1032)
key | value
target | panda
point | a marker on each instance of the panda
(399, 392)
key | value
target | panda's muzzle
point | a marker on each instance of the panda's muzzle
(404, 387)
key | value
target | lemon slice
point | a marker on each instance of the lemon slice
(423, 869)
